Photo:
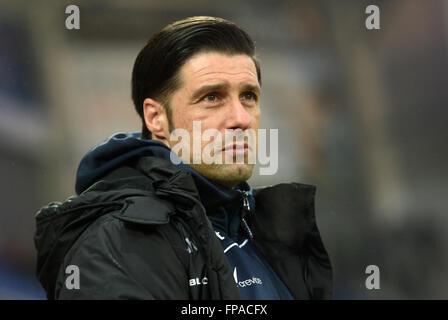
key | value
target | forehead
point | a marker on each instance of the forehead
(213, 67)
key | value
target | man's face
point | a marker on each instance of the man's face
(222, 92)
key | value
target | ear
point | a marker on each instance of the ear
(156, 120)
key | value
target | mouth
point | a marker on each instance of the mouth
(236, 148)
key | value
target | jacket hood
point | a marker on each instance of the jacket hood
(115, 151)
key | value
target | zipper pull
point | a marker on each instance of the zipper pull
(246, 203)
(246, 207)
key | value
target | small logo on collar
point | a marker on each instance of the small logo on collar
(220, 237)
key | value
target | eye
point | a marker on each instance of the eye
(211, 97)
(250, 96)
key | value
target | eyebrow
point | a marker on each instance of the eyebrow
(207, 88)
(220, 87)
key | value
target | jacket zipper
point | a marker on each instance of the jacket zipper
(246, 208)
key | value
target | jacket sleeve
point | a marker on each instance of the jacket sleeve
(118, 260)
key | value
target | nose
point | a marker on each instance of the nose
(237, 115)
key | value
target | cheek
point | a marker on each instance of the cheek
(183, 115)
(256, 118)
(178, 114)
(182, 121)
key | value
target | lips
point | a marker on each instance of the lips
(236, 147)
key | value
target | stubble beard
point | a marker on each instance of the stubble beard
(227, 175)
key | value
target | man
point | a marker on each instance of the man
(146, 227)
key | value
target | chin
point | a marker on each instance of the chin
(228, 175)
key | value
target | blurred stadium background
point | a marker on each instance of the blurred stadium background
(361, 114)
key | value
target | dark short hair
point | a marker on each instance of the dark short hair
(156, 68)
